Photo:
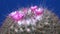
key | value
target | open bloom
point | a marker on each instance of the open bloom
(39, 11)
(36, 10)
(16, 15)
(33, 8)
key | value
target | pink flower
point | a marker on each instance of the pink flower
(16, 15)
(33, 8)
(38, 11)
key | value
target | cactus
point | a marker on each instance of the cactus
(47, 25)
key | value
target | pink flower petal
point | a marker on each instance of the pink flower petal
(16, 15)
(39, 11)
(33, 8)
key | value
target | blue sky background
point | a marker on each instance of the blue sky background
(7, 6)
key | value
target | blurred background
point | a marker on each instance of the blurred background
(7, 6)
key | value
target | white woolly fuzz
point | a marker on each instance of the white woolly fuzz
(39, 17)
(28, 21)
